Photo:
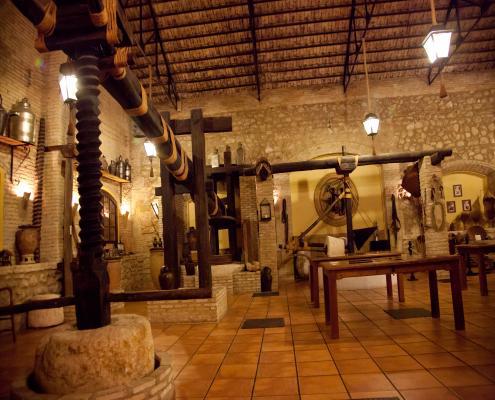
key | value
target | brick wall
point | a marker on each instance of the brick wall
(26, 73)
(267, 233)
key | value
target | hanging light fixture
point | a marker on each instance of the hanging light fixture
(437, 41)
(371, 121)
(68, 83)
(150, 150)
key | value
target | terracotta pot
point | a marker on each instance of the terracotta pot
(190, 268)
(156, 263)
(166, 279)
(27, 240)
(266, 279)
(192, 239)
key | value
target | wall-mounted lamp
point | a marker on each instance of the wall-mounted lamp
(276, 196)
(68, 83)
(265, 210)
(23, 191)
(125, 211)
(150, 150)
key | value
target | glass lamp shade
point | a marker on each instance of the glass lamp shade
(68, 87)
(371, 123)
(437, 43)
(149, 148)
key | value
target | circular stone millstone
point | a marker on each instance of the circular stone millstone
(90, 360)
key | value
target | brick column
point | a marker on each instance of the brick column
(267, 240)
(248, 205)
(436, 241)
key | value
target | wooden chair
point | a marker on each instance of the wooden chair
(11, 316)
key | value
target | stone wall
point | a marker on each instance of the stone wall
(190, 311)
(136, 272)
(27, 281)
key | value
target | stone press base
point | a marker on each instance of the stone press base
(156, 386)
(190, 311)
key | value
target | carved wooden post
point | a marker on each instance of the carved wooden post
(90, 275)
(171, 256)
(200, 199)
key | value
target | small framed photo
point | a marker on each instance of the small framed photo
(457, 190)
(466, 205)
(451, 207)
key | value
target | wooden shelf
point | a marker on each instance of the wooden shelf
(13, 142)
(110, 177)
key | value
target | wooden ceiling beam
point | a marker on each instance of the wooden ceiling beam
(252, 28)
(312, 34)
(312, 57)
(172, 90)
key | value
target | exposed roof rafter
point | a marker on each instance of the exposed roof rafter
(252, 27)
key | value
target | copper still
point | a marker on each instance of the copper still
(21, 122)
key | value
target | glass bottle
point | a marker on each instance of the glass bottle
(240, 154)
(215, 159)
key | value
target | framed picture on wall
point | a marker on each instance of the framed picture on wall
(466, 205)
(457, 190)
(451, 207)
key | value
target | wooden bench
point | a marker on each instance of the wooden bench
(343, 269)
(315, 263)
(478, 248)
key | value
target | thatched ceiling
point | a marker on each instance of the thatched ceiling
(218, 46)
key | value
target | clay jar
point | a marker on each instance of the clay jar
(27, 240)
(192, 239)
(166, 279)
(266, 279)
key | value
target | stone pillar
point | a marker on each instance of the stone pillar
(436, 241)
(267, 231)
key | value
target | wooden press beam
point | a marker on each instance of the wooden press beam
(171, 256)
(211, 125)
(200, 198)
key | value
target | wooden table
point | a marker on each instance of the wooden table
(315, 263)
(478, 248)
(344, 269)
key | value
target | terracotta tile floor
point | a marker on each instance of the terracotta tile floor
(376, 355)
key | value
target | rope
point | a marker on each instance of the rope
(366, 75)
(112, 33)
(121, 56)
(182, 175)
(47, 24)
(40, 44)
(142, 108)
(99, 19)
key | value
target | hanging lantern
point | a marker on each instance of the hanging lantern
(68, 83)
(150, 150)
(371, 123)
(265, 210)
(437, 43)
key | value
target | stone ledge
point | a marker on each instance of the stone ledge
(26, 268)
(159, 384)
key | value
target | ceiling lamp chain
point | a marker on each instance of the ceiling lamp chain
(371, 121)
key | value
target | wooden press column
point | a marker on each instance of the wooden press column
(200, 199)
(169, 213)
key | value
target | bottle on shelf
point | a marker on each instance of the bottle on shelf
(215, 159)
(120, 168)
(240, 154)
(155, 242)
(160, 243)
(127, 170)
(227, 156)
